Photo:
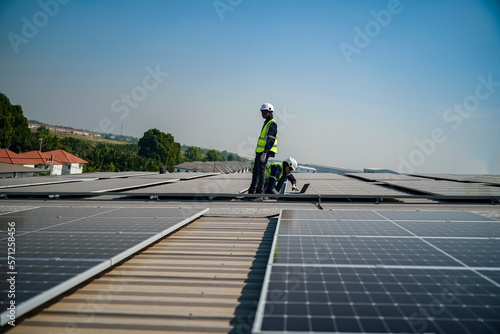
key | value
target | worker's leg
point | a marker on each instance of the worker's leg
(261, 177)
(253, 185)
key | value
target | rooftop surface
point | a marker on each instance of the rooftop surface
(207, 276)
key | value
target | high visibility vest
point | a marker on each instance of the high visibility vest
(261, 143)
(268, 170)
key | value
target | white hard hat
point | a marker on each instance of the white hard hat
(267, 106)
(292, 163)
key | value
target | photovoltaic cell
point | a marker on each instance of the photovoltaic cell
(60, 247)
(344, 271)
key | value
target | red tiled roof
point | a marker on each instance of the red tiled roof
(66, 157)
(61, 157)
(8, 157)
(35, 158)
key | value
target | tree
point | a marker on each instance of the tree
(214, 155)
(160, 147)
(194, 153)
(49, 142)
(15, 134)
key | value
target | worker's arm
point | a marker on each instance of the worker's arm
(292, 179)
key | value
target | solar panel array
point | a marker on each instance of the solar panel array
(341, 186)
(478, 178)
(36, 181)
(90, 187)
(213, 185)
(60, 247)
(326, 185)
(449, 188)
(384, 177)
(352, 271)
(95, 183)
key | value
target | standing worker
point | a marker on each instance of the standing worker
(267, 146)
(277, 173)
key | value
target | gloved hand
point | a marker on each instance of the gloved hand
(263, 157)
(294, 188)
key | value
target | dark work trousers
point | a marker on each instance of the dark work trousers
(258, 175)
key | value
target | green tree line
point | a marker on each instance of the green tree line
(153, 150)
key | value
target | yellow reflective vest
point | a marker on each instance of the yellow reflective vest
(261, 143)
(268, 170)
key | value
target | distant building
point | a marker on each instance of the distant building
(71, 164)
(379, 170)
(58, 162)
(65, 130)
(302, 169)
(224, 167)
(331, 169)
(15, 171)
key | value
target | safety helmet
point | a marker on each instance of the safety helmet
(267, 106)
(292, 163)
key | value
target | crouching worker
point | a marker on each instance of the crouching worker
(277, 173)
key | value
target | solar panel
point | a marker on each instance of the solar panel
(354, 271)
(213, 185)
(384, 176)
(180, 175)
(60, 247)
(93, 186)
(481, 178)
(10, 182)
(448, 188)
(111, 175)
(343, 186)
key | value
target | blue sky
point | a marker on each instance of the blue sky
(412, 86)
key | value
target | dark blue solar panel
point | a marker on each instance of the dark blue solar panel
(345, 271)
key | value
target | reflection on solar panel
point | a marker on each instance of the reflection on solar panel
(382, 272)
(60, 247)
